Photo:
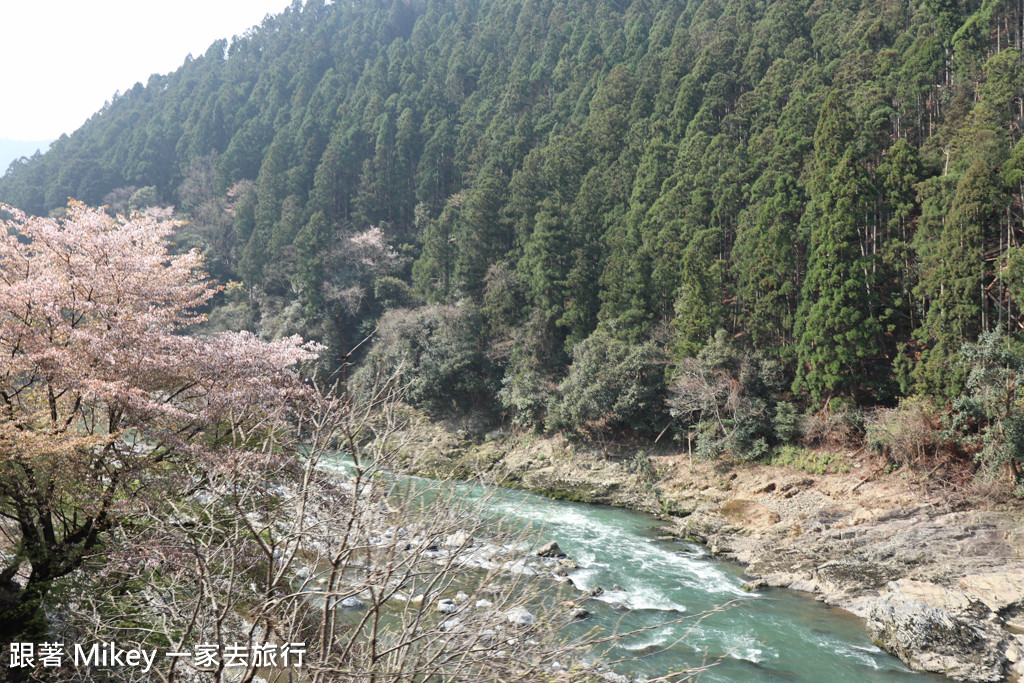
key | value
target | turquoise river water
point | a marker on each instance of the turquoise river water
(761, 636)
(768, 635)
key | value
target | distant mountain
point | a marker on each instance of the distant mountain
(13, 149)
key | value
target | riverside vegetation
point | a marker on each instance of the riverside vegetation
(755, 231)
(172, 492)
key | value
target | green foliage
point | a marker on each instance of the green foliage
(953, 274)
(526, 394)
(612, 386)
(811, 461)
(835, 328)
(433, 271)
(143, 198)
(640, 465)
(786, 423)
(393, 292)
(837, 186)
(697, 307)
(727, 397)
(989, 417)
(435, 353)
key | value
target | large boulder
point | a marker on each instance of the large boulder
(519, 616)
(458, 539)
(929, 638)
(550, 550)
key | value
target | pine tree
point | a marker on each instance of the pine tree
(432, 272)
(311, 245)
(835, 332)
(952, 280)
(765, 262)
(481, 235)
(698, 305)
(546, 261)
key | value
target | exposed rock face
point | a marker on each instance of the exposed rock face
(556, 468)
(941, 589)
(999, 591)
(947, 639)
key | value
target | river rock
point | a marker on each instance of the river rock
(930, 639)
(754, 585)
(458, 539)
(578, 613)
(446, 606)
(351, 603)
(550, 550)
(519, 616)
(997, 591)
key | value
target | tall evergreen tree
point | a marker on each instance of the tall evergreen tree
(952, 280)
(834, 330)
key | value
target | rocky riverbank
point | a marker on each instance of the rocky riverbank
(939, 584)
(940, 587)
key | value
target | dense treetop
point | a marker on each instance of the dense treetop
(553, 206)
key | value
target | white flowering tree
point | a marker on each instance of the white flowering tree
(163, 492)
(102, 398)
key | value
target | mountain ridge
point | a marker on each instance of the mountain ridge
(16, 149)
(552, 208)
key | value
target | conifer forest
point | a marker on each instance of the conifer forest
(605, 217)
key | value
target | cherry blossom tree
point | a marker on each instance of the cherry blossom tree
(103, 398)
(184, 491)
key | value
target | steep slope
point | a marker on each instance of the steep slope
(573, 196)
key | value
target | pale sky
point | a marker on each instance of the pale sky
(60, 60)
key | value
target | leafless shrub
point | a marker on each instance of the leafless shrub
(832, 428)
(380, 578)
(908, 435)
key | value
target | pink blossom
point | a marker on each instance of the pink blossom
(93, 311)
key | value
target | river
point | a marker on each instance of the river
(767, 635)
(760, 636)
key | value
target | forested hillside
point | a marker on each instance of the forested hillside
(553, 207)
